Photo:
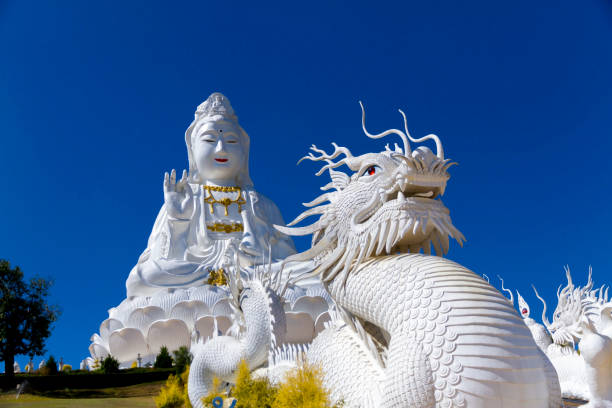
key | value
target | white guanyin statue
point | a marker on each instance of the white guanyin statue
(204, 209)
(177, 293)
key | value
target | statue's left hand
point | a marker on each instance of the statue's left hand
(178, 197)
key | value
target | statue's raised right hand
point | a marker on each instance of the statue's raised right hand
(178, 197)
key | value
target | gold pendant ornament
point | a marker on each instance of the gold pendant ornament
(226, 202)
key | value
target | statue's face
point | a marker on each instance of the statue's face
(219, 151)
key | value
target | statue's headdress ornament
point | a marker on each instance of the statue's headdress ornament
(216, 107)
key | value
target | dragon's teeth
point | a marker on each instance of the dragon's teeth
(400, 197)
(402, 184)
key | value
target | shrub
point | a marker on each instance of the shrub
(67, 368)
(214, 392)
(302, 388)
(50, 367)
(171, 394)
(252, 393)
(134, 364)
(163, 359)
(182, 359)
(110, 365)
(96, 365)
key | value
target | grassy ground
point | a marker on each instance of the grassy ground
(137, 396)
(124, 397)
(32, 401)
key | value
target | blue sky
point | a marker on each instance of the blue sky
(96, 96)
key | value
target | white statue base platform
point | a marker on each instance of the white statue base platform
(139, 326)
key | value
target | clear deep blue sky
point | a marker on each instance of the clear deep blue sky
(96, 96)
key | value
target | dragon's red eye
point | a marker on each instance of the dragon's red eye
(524, 311)
(371, 170)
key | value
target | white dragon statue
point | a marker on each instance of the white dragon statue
(582, 317)
(430, 332)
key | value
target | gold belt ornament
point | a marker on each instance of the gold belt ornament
(226, 202)
(227, 228)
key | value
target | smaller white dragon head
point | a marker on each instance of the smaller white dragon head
(575, 310)
(388, 204)
(523, 306)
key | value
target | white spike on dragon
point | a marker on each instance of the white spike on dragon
(416, 330)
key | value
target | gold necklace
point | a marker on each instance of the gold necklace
(226, 202)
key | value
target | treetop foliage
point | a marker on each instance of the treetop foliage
(182, 359)
(110, 365)
(163, 359)
(25, 316)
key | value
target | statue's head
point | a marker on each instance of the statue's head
(217, 146)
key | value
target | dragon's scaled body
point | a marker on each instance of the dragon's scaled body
(416, 330)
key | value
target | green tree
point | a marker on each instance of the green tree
(50, 366)
(110, 365)
(163, 359)
(25, 316)
(182, 359)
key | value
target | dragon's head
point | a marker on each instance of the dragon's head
(574, 312)
(388, 204)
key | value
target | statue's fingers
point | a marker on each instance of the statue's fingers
(173, 177)
(166, 181)
(182, 182)
(188, 189)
